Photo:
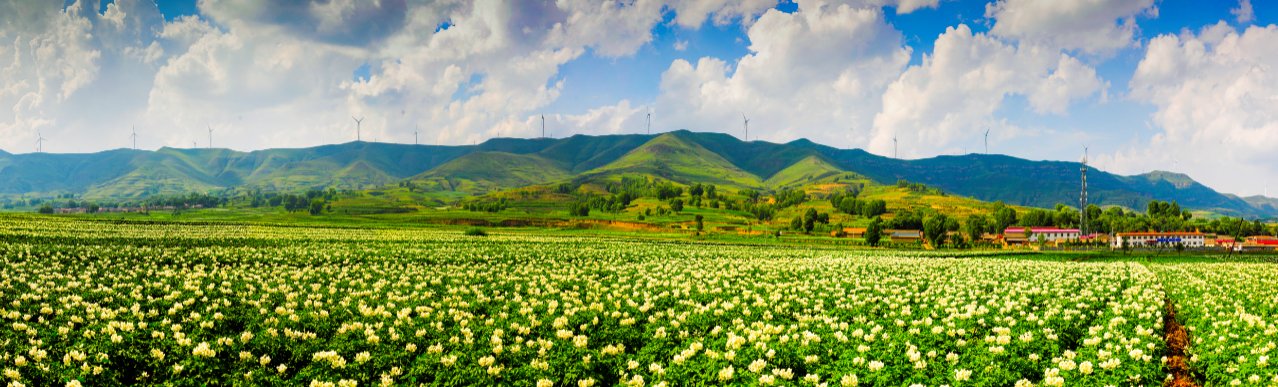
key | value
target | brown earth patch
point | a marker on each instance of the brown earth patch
(1177, 339)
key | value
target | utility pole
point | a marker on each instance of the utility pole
(1082, 199)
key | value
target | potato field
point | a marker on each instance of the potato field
(96, 303)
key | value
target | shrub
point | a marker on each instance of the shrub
(476, 231)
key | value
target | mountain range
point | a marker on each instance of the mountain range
(505, 163)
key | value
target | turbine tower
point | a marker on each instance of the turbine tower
(210, 136)
(543, 125)
(852, 134)
(134, 136)
(649, 120)
(747, 126)
(414, 134)
(987, 140)
(40, 142)
(895, 155)
(357, 124)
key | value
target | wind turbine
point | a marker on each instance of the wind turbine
(649, 120)
(414, 134)
(895, 155)
(357, 124)
(852, 135)
(987, 140)
(543, 125)
(193, 145)
(747, 126)
(134, 136)
(1175, 162)
(40, 142)
(210, 136)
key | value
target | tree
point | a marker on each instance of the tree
(809, 220)
(676, 205)
(873, 231)
(92, 208)
(934, 230)
(1028, 233)
(796, 224)
(1004, 217)
(1180, 247)
(317, 205)
(700, 225)
(975, 228)
(46, 209)
(1186, 215)
(578, 209)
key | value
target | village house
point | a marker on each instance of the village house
(1148, 239)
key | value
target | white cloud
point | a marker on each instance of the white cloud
(1092, 25)
(681, 45)
(815, 73)
(1244, 11)
(614, 28)
(1216, 103)
(693, 13)
(954, 94)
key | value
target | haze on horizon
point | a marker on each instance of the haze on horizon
(1176, 85)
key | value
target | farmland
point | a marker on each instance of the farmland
(92, 303)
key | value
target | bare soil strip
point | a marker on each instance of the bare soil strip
(1177, 340)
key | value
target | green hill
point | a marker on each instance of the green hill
(483, 172)
(505, 163)
(811, 169)
(673, 157)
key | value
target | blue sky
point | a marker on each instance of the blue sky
(1148, 85)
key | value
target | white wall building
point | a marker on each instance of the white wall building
(1151, 239)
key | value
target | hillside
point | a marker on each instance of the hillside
(483, 172)
(673, 157)
(505, 163)
(810, 169)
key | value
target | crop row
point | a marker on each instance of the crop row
(1230, 311)
(412, 307)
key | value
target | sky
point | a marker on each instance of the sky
(1186, 86)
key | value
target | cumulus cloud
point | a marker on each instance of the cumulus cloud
(955, 92)
(1092, 26)
(1216, 97)
(59, 63)
(345, 22)
(1244, 12)
(816, 73)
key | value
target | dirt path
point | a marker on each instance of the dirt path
(1177, 339)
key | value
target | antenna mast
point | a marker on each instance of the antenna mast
(1082, 198)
